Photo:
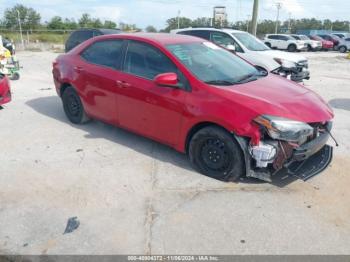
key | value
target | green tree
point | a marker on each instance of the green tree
(201, 22)
(96, 23)
(109, 24)
(30, 19)
(70, 24)
(85, 21)
(172, 23)
(151, 29)
(56, 23)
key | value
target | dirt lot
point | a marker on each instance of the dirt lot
(132, 195)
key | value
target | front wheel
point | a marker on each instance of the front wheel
(215, 153)
(342, 49)
(292, 48)
(73, 106)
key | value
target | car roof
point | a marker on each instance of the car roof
(229, 30)
(160, 38)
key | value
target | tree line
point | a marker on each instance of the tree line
(31, 20)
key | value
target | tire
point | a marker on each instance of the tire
(15, 76)
(216, 154)
(292, 48)
(342, 49)
(309, 48)
(73, 106)
(268, 44)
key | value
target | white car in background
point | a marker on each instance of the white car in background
(312, 45)
(250, 48)
(284, 42)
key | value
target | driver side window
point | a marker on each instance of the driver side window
(224, 40)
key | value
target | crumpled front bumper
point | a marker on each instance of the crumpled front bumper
(305, 161)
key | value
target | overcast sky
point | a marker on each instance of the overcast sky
(156, 12)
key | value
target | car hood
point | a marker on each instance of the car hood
(274, 95)
(284, 55)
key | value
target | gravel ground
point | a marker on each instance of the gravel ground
(132, 195)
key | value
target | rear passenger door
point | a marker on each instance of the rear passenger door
(99, 74)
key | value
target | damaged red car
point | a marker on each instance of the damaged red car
(230, 118)
(5, 92)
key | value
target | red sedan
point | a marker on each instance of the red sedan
(326, 45)
(231, 119)
(5, 92)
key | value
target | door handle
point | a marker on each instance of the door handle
(78, 69)
(122, 84)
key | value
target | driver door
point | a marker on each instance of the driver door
(144, 107)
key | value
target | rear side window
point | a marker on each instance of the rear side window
(224, 40)
(104, 53)
(198, 33)
(81, 36)
(77, 38)
(146, 61)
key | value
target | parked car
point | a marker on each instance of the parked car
(333, 38)
(343, 45)
(250, 48)
(326, 45)
(312, 45)
(5, 92)
(200, 99)
(81, 35)
(284, 42)
(342, 35)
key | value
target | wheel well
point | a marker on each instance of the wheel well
(292, 44)
(196, 128)
(63, 88)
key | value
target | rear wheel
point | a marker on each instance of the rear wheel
(215, 153)
(342, 49)
(73, 106)
(309, 48)
(292, 48)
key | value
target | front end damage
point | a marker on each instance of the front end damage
(302, 154)
(296, 72)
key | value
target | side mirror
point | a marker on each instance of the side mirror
(231, 48)
(167, 79)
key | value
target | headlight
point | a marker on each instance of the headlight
(285, 63)
(284, 129)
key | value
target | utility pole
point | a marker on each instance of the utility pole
(290, 23)
(279, 6)
(248, 19)
(20, 27)
(178, 19)
(255, 16)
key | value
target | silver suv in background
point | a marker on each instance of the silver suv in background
(284, 42)
(312, 45)
(250, 48)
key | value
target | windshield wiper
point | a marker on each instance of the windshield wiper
(220, 82)
(247, 78)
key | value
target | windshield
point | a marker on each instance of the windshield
(250, 42)
(304, 37)
(212, 64)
